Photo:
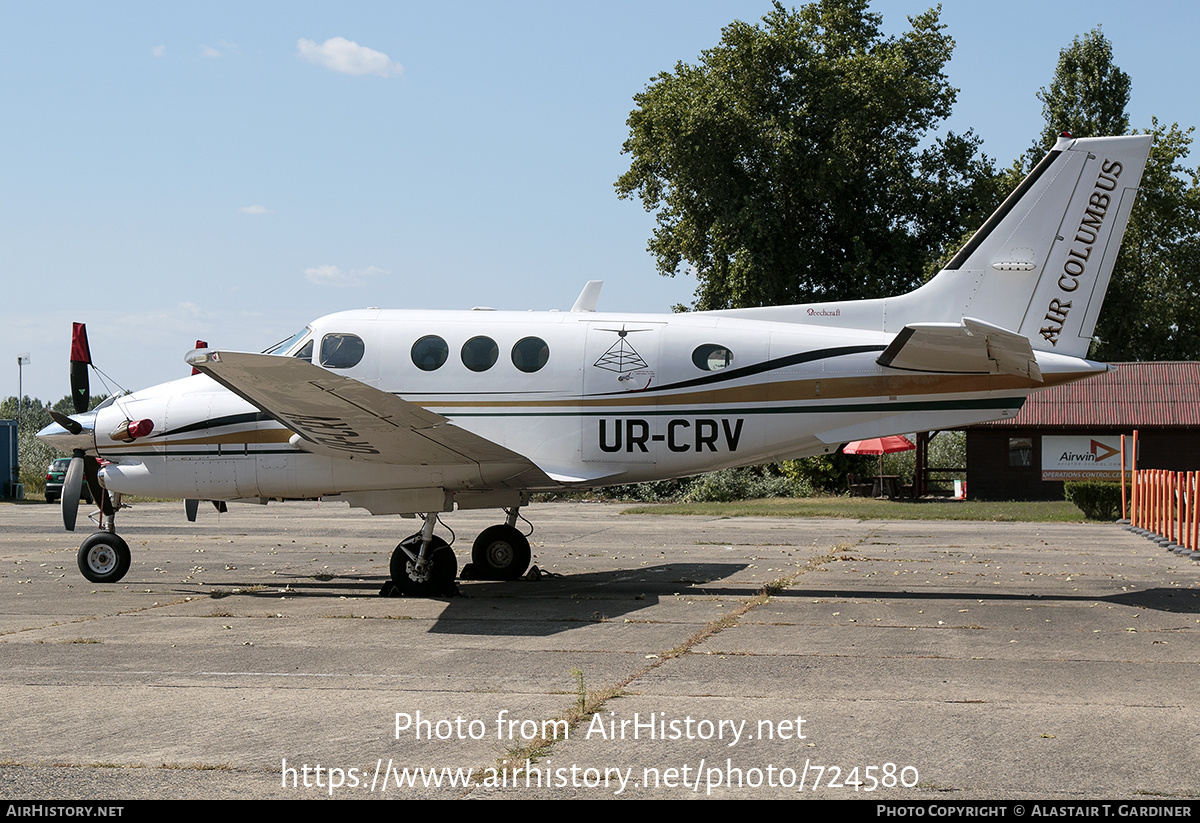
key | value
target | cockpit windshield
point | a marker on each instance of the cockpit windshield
(285, 346)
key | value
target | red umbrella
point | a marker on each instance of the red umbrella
(880, 446)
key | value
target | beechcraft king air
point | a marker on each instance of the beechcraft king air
(420, 412)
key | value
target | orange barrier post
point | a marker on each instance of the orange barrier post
(1124, 509)
(1133, 471)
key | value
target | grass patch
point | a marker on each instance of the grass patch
(861, 508)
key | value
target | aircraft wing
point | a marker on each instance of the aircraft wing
(340, 417)
(969, 347)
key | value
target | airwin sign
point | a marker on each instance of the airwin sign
(1081, 458)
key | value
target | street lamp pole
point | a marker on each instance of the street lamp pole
(22, 362)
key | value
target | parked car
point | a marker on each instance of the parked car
(55, 474)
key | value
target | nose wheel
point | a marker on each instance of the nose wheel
(104, 558)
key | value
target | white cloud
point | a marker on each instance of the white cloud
(209, 51)
(158, 51)
(347, 57)
(255, 209)
(334, 276)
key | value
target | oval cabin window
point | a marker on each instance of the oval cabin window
(430, 353)
(480, 353)
(711, 357)
(530, 354)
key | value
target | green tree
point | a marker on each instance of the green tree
(34, 455)
(1088, 95)
(787, 165)
(1153, 300)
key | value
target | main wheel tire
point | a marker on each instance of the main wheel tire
(436, 579)
(104, 558)
(500, 553)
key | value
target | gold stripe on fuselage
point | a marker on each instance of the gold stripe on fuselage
(813, 389)
(242, 438)
(808, 390)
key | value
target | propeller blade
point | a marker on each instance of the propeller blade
(220, 506)
(81, 358)
(200, 344)
(190, 507)
(72, 426)
(72, 485)
(91, 475)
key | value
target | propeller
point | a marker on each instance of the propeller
(72, 487)
(81, 358)
(84, 468)
(191, 506)
(200, 344)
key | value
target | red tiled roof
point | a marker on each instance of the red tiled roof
(1136, 394)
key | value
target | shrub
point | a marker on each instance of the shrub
(1097, 499)
(728, 485)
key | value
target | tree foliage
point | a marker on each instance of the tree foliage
(786, 166)
(1088, 95)
(1153, 303)
(34, 455)
(1153, 299)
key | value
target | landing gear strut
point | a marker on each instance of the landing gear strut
(424, 565)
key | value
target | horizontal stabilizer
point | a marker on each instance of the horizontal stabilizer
(969, 347)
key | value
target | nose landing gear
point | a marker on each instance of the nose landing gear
(104, 557)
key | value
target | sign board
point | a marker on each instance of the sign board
(1082, 457)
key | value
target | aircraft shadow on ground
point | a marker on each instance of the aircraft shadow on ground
(1184, 601)
(553, 604)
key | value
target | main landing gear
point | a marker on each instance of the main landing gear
(500, 552)
(424, 565)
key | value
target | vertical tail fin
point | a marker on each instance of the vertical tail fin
(1041, 264)
(1038, 267)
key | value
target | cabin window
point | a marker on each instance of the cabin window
(530, 354)
(711, 357)
(283, 346)
(341, 351)
(430, 353)
(480, 353)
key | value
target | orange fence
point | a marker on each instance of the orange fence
(1164, 506)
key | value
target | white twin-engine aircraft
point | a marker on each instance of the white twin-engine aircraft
(416, 412)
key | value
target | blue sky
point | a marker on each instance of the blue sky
(231, 171)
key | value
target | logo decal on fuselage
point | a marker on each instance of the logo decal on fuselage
(621, 356)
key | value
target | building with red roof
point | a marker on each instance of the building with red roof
(1073, 431)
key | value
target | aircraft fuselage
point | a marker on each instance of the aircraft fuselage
(619, 398)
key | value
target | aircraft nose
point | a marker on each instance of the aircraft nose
(70, 433)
